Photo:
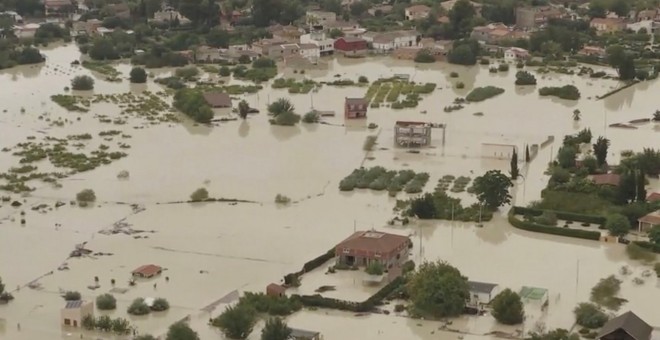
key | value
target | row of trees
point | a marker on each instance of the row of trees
(237, 322)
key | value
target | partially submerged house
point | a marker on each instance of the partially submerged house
(355, 108)
(481, 293)
(75, 311)
(351, 47)
(274, 289)
(606, 179)
(626, 326)
(408, 133)
(147, 271)
(648, 221)
(217, 99)
(301, 334)
(365, 247)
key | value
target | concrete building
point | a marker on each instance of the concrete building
(607, 25)
(169, 14)
(364, 247)
(491, 33)
(355, 108)
(74, 312)
(417, 12)
(516, 53)
(407, 134)
(481, 293)
(626, 326)
(319, 38)
(263, 46)
(310, 52)
(147, 271)
(534, 17)
(320, 17)
(388, 41)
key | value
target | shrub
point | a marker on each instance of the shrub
(71, 296)
(160, 305)
(375, 268)
(106, 302)
(531, 226)
(460, 85)
(200, 194)
(224, 71)
(86, 195)
(138, 307)
(525, 78)
(82, 83)
(363, 80)
(187, 73)
(424, 56)
(236, 322)
(453, 75)
(635, 252)
(508, 308)
(138, 75)
(463, 54)
(568, 92)
(589, 315)
(483, 93)
(399, 308)
(311, 117)
(547, 218)
(503, 67)
(263, 62)
(281, 199)
(484, 61)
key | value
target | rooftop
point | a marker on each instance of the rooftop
(409, 123)
(303, 334)
(606, 179)
(374, 241)
(217, 99)
(418, 8)
(356, 101)
(481, 287)
(73, 304)
(629, 323)
(653, 197)
(651, 218)
(147, 270)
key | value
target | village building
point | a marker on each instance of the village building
(647, 14)
(448, 5)
(365, 247)
(289, 33)
(120, 10)
(380, 10)
(275, 290)
(491, 33)
(592, 51)
(310, 52)
(341, 25)
(607, 25)
(320, 17)
(169, 14)
(207, 54)
(147, 271)
(301, 334)
(74, 312)
(626, 326)
(516, 53)
(648, 221)
(88, 27)
(319, 38)
(351, 47)
(217, 100)
(388, 41)
(481, 293)
(13, 15)
(284, 51)
(26, 31)
(537, 16)
(263, 46)
(55, 7)
(417, 12)
(653, 197)
(438, 48)
(355, 108)
(408, 134)
(606, 179)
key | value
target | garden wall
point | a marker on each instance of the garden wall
(309, 266)
(540, 228)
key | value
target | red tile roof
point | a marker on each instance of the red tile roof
(147, 270)
(652, 218)
(356, 101)
(275, 288)
(374, 242)
(653, 197)
(607, 179)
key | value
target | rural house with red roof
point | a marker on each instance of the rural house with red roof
(365, 247)
(147, 271)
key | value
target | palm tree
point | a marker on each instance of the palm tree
(275, 329)
(243, 109)
(576, 115)
(280, 106)
(600, 150)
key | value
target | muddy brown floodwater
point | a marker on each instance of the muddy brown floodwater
(210, 250)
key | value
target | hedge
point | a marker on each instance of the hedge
(562, 215)
(359, 307)
(311, 265)
(649, 246)
(539, 228)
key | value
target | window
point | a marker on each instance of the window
(346, 251)
(377, 255)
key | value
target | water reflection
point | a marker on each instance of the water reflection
(284, 133)
(525, 90)
(243, 129)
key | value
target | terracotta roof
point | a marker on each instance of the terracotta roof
(418, 8)
(275, 288)
(629, 323)
(653, 197)
(351, 39)
(356, 101)
(147, 270)
(607, 179)
(652, 218)
(374, 241)
(217, 99)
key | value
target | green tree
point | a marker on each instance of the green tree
(280, 106)
(620, 7)
(138, 75)
(218, 38)
(492, 189)
(191, 102)
(600, 150)
(82, 83)
(88, 322)
(201, 194)
(243, 109)
(225, 71)
(514, 166)
(424, 56)
(358, 8)
(622, 61)
(597, 9)
(103, 48)
(576, 115)
(566, 156)
(72, 296)
(86, 195)
(589, 315)
(525, 78)
(460, 18)
(590, 163)
(138, 307)
(508, 308)
(106, 302)
(160, 305)
(236, 322)
(617, 225)
(437, 289)
(654, 235)
(331, 6)
(375, 268)
(181, 331)
(462, 55)
(104, 323)
(527, 157)
(121, 326)
(275, 329)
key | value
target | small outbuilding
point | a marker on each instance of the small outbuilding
(217, 99)
(301, 334)
(645, 223)
(75, 311)
(274, 289)
(481, 293)
(626, 326)
(408, 134)
(147, 271)
(355, 108)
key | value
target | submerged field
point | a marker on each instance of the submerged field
(212, 249)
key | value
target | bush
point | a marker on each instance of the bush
(460, 85)
(281, 199)
(138, 75)
(138, 307)
(106, 302)
(589, 315)
(200, 194)
(525, 78)
(224, 71)
(424, 56)
(530, 226)
(86, 195)
(160, 305)
(508, 308)
(636, 252)
(547, 218)
(363, 80)
(264, 62)
(453, 75)
(82, 83)
(568, 92)
(71, 296)
(464, 54)
(483, 93)
(187, 73)
(236, 322)
(399, 308)
(484, 61)
(311, 117)
(375, 268)
(503, 67)
(287, 118)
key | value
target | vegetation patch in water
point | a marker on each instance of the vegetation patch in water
(482, 93)
(103, 68)
(71, 103)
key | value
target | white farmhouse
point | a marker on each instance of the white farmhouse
(388, 41)
(318, 38)
(310, 52)
(481, 293)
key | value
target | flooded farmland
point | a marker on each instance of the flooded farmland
(209, 250)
